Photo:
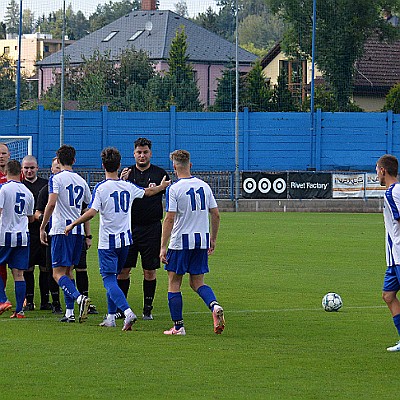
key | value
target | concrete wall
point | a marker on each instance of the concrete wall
(315, 205)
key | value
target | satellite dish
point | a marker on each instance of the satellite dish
(148, 26)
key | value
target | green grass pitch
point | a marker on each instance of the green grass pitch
(270, 272)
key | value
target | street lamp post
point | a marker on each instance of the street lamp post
(237, 173)
(62, 79)
(312, 94)
(18, 80)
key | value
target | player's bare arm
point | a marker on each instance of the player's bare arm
(48, 211)
(168, 224)
(215, 219)
(151, 191)
(88, 215)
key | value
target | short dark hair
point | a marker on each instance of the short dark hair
(13, 167)
(142, 142)
(111, 159)
(389, 163)
(66, 154)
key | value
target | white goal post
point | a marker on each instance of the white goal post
(19, 146)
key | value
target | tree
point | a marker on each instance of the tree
(7, 82)
(222, 23)
(208, 20)
(131, 79)
(262, 31)
(78, 25)
(181, 8)
(184, 90)
(257, 93)
(225, 99)
(392, 101)
(12, 17)
(282, 97)
(28, 21)
(343, 26)
(110, 12)
(8, 70)
(2, 30)
(99, 80)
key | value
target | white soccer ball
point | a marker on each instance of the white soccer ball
(332, 302)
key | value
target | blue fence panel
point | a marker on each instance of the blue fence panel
(279, 141)
(352, 141)
(267, 141)
(125, 128)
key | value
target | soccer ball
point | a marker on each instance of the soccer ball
(332, 302)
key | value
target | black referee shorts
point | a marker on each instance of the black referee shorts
(37, 254)
(146, 242)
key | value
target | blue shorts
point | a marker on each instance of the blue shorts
(111, 261)
(15, 257)
(194, 262)
(391, 282)
(66, 250)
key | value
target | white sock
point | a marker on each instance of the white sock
(111, 317)
(128, 312)
(69, 312)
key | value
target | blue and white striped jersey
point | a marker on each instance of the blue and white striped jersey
(391, 215)
(113, 200)
(72, 191)
(191, 199)
(17, 203)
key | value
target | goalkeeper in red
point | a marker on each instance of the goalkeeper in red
(189, 201)
(387, 170)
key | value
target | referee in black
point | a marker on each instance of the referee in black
(37, 255)
(147, 214)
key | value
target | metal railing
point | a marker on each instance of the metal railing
(221, 182)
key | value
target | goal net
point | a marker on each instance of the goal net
(19, 146)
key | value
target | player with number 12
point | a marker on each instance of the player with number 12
(67, 192)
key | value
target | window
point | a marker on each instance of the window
(135, 35)
(294, 72)
(110, 36)
(6, 50)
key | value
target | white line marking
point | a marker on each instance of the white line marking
(227, 311)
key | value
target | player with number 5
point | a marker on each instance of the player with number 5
(67, 192)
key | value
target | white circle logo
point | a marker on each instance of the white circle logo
(249, 185)
(264, 185)
(279, 185)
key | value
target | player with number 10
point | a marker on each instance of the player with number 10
(113, 198)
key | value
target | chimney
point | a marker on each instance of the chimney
(148, 5)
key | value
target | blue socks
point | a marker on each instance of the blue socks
(3, 296)
(396, 321)
(175, 304)
(114, 294)
(70, 291)
(208, 296)
(20, 289)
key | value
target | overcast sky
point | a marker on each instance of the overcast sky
(40, 7)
